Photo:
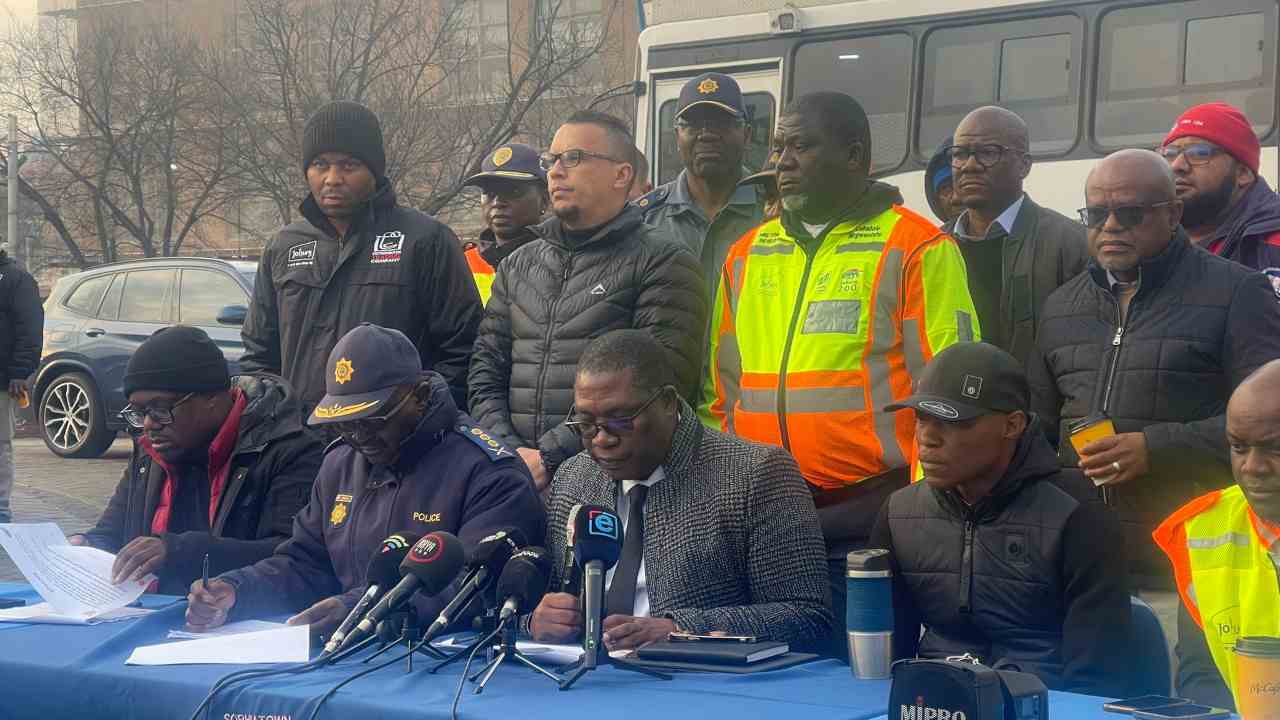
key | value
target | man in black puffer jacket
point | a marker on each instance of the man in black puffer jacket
(1156, 334)
(596, 268)
(1000, 553)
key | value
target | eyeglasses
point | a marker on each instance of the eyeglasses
(365, 427)
(571, 158)
(1127, 216)
(508, 192)
(136, 416)
(1195, 153)
(617, 427)
(987, 156)
(717, 123)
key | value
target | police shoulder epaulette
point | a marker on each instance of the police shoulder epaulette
(483, 440)
(653, 199)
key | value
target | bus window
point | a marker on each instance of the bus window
(876, 71)
(1031, 67)
(1156, 62)
(760, 114)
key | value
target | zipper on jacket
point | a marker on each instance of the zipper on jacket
(538, 429)
(786, 348)
(1116, 340)
(966, 567)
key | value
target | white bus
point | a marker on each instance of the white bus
(1089, 77)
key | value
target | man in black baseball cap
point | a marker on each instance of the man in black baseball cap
(513, 197)
(406, 460)
(1000, 552)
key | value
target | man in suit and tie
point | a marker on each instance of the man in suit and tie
(720, 533)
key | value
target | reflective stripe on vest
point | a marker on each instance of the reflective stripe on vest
(482, 272)
(1225, 575)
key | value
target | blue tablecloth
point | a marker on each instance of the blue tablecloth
(49, 672)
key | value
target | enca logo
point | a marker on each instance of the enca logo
(602, 523)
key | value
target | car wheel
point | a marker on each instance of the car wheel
(72, 420)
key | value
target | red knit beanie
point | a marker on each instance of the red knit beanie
(1222, 125)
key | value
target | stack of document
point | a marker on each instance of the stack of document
(74, 581)
(282, 644)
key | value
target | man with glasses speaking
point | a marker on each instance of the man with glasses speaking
(1153, 338)
(219, 468)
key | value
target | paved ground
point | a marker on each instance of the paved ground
(71, 493)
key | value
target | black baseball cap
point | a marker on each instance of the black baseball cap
(968, 380)
(714, 89)
(363, 372)
(512, 161)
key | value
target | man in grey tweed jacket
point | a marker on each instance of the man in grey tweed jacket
(731, 537)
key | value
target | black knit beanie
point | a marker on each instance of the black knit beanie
(346, 127)
(179, 359)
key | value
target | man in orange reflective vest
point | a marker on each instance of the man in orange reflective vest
(1225, 549)
(513, 196)
(825, 315)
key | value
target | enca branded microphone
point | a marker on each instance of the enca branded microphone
(598, 536)
(487, 561)
(432, 563)
(523, 581)
(382, 574)
(570, 537)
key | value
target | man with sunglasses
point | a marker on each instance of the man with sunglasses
(1227, 207)
(719, 533)
(1015, 251)
(596, 267)
(1154, 336)
(513, 197)
(406, 460)
(220, 465)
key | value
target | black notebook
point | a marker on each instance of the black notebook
(713, 652)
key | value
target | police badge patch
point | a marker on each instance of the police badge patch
(341, 508)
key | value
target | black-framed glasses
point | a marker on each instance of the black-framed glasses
(987, 156)
(1195, 153)
(506, 191)
(617, 427)
(1095, 216)
(364, 427)
(136, 416)
(571, 158)
(718, 123)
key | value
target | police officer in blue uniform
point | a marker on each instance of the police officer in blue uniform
(406, 460)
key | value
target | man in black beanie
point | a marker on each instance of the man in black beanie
(219, 468)
(356, 256)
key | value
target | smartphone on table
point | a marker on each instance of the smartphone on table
(1186, 711)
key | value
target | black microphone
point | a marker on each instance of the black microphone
(432, 563)
(523, 581)
(570, 537)
(383, 572)
(598, 543)
(487, 561)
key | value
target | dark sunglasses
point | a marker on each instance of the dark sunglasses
(617, 427)
(1195, 153)
(987, 156)
(364, 427)
(1095, 216)
(136, 416)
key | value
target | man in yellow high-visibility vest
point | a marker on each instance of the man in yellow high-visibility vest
(827, 314)
(1225, 549)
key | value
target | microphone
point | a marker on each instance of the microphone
(523, 581)
(487, 561)
(382, 573)
(432, 563)
(570, 536)
(598, 535)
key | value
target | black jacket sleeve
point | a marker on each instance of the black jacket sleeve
(1197, 677)
(672, 305)
(1095, 630)
(28, 327)
(906, 616)
(261, 330)
(489, 378)
(451, 304)
(108, 533)
(1046, 402)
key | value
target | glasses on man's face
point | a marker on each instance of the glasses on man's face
(367, 427)
(1127, 216)
(617, 427)
(508, 193)
(718, 123)
(1195, 153)
(987, 156)
(135, 417)
(571, 158)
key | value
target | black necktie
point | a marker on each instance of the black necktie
(622, 589)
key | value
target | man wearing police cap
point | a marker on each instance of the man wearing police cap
(406, 460)
(513, 196)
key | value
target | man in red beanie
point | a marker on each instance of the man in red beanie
(1228, 209)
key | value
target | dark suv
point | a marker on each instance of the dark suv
(95, 319)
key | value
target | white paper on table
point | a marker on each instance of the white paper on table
(552, 653)
(43, 613)
(75, 580)
(288, 644)
(235, 628)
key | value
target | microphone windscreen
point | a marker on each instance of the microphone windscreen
(384, 566)
(435, 561)
(492, 552)
(598, 536)
(571, 527)
(525, 577)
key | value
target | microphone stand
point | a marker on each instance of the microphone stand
(488, 626)
(580, 668)
(409, 629)
(507, 650)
